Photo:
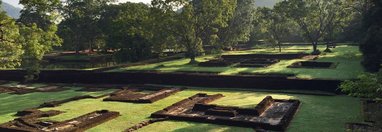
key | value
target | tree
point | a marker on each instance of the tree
(371, 46)
(275, 24)
(80, 27)
(38, 33)
(43, 13)
(164, 38)
(313, 16)
(10, 48)
(217, 16)
(198, 22)
(241, 24)
(35, 42)
(355, 10)
(127, 27)
(340, 17)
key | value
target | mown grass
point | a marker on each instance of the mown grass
(317, 113)
(346, 57)
(10, 103)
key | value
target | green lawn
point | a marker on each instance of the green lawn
(347, 57)
(12, 103)
(317, 113)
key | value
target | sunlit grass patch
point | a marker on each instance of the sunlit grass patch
(347, 57)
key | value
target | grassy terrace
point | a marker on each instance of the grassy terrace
(347, 57)
(317, 113)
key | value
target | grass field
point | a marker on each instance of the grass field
(347, 57)
(317, 113)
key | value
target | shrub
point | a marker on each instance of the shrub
(367, 86)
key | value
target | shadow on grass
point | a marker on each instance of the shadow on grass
(12, 103)
(199, 127)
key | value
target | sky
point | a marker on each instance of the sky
(16, 2)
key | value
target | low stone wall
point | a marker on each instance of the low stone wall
(313, 64)
(185, 79)
(267, 56)
(270, 114)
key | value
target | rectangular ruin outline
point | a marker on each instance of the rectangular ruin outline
(80, 123)
(160, 93)
(283, 124)
(333, 65)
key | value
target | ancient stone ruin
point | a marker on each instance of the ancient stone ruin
(250, 60)
(372, 114)
(269, 114)
(24, 89)
(30, 122)
(313, 64)
(137, 94)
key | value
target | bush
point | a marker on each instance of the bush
(367, 86)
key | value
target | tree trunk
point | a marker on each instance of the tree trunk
(193, 60)
(315, 49)
(77, 48)
(279, 44)
(328, 47)
(192, 56)
(314, 46)
(91, 46)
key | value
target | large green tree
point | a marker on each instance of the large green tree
(314, 17)
(127, 28)
(197, 22)
(356, 9)
(275, 24)
(43, 13)
(80, 29)
(10, 48)
(161, 19)
(38, 33)
(371, 46)
(36, 43)
(340, 16)
(241, 24)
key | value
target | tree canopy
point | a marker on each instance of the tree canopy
(198, 22)
(10, 48)
(137, 31)
(371, 46)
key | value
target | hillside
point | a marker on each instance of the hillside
(11, 10)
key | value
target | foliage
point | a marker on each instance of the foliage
(367, 86)
(240, 26)
(275, 25)
(163, 38)
(36, 42)
(127, 28)
(314, 17)
(371, 46)
(37, 33)
(80, 28)
(43, 13)
(198, 22)
(353, 30)
(10, 49)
